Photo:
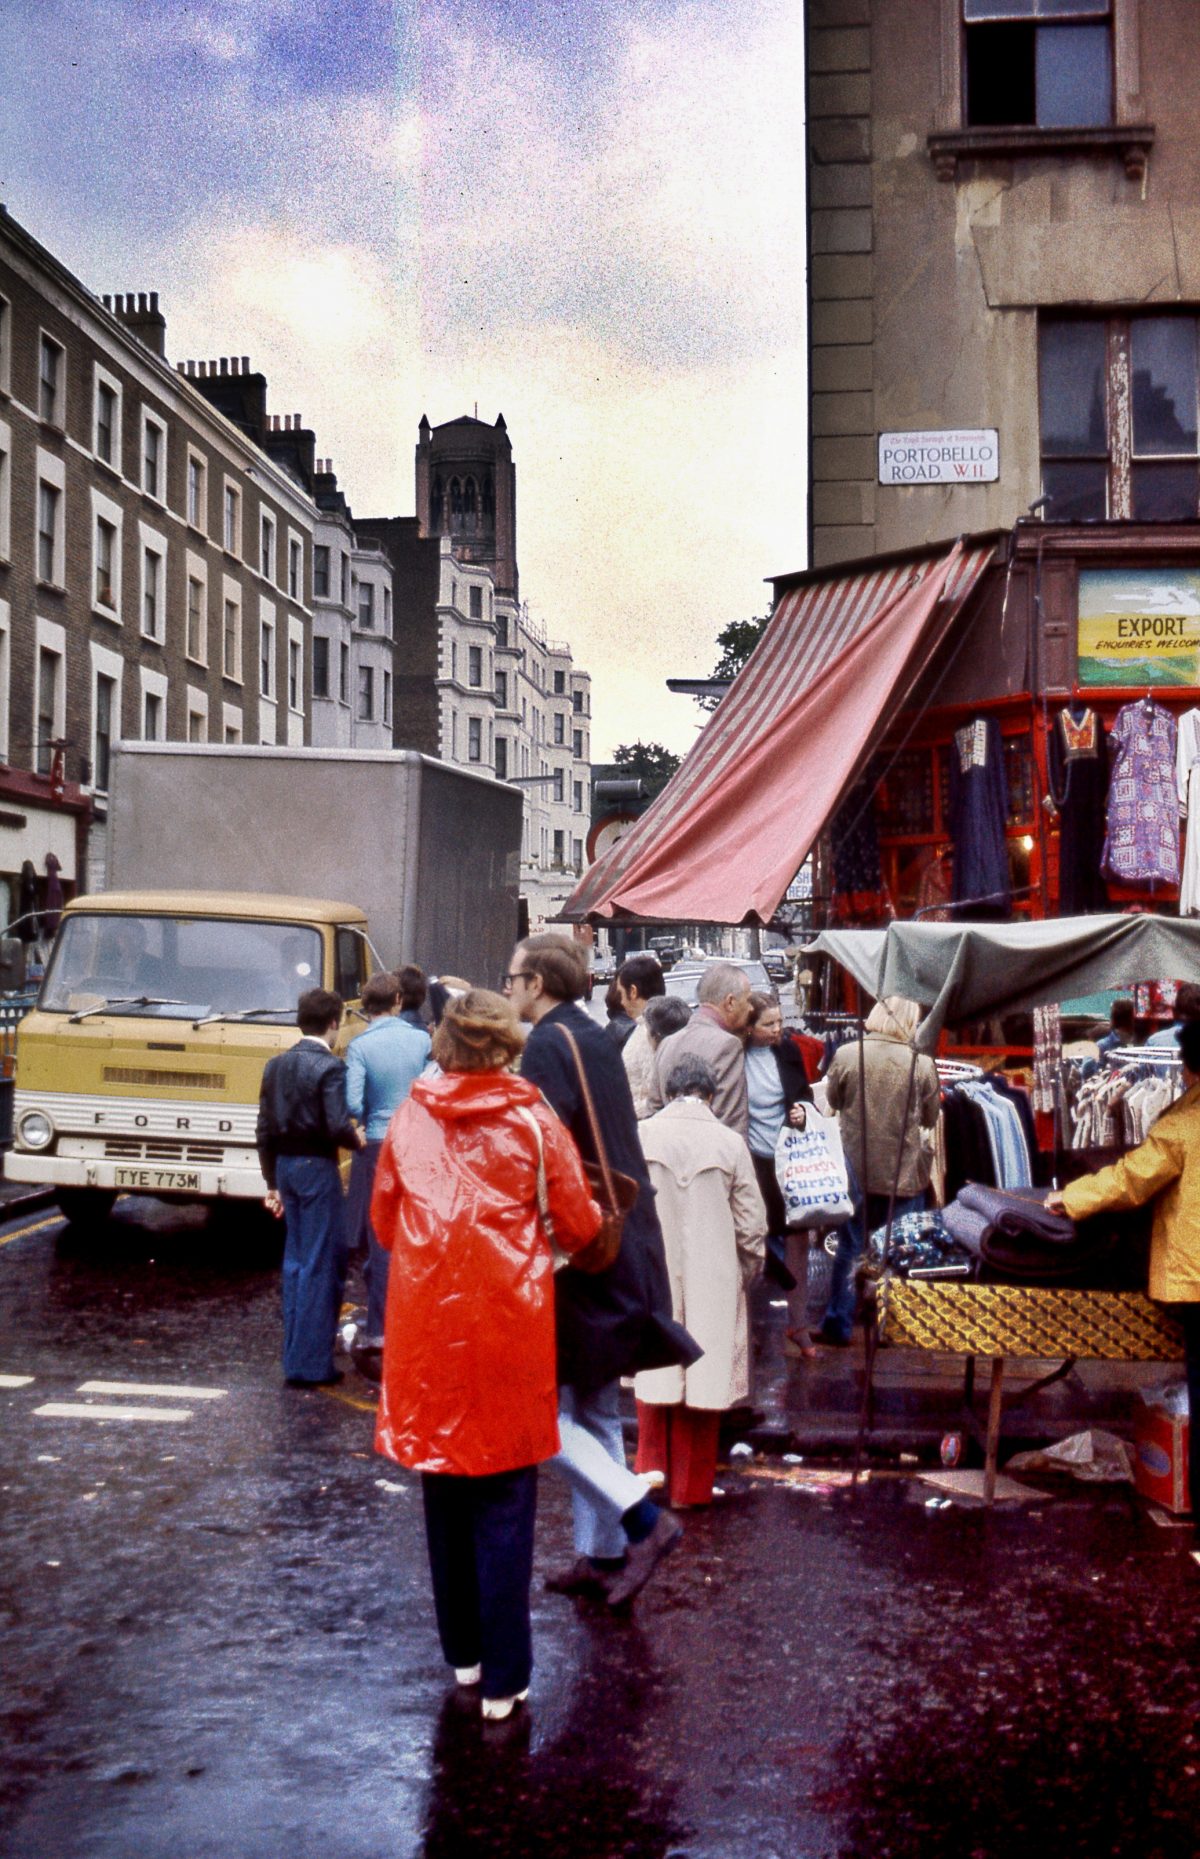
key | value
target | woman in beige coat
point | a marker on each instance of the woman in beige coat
(714, 1226)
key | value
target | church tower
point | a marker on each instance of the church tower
(467, 490)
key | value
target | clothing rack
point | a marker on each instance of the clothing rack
(1142, 1055)
(958, 1071)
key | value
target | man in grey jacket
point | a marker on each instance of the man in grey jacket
(713, 1034)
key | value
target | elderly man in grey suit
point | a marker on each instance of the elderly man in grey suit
(713, 1034)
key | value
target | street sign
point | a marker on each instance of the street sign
(967, 457)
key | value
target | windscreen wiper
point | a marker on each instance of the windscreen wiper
(123, 1000)
(240, 1013)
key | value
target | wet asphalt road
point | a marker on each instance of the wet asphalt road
(216, 1635)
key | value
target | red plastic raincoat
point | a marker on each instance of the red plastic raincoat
(469, 1382)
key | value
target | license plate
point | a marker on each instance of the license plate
(184, 1181)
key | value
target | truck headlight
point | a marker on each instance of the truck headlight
(35, 1129)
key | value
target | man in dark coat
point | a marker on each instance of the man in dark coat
(302, 1123)
(614, 1322)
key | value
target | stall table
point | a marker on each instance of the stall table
(1012, 1322)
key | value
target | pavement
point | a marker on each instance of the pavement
(217, 1638)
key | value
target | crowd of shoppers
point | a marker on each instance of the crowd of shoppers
(482, 1162)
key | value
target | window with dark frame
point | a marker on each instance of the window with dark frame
(152, 445)
(474, 739)
(366, 605)
(1039, 63)
(106, 422)
(366, 694)
(320, 666)
(295, 569)
(195, 492)
(152, 724)
(295, 680)
(266, 654)
(49, 505)
(49, 382)
(475, 665)
(105, 691)
(48, 672)
(195, 620)
(266, 561)
(106, 544)
(321, 571)
(502, 690)
(475, 606)
(1120, 417)
(502, 758)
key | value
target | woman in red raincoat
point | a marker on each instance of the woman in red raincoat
(469, 1392)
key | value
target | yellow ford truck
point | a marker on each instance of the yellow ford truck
(138, 1071)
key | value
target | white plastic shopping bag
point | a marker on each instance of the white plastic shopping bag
(811, 1170)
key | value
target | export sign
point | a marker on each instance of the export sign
(1139, 627)
(939, 457)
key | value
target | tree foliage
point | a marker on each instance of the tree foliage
(737, 641)
(654, 763)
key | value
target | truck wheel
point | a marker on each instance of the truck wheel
(85, 1208)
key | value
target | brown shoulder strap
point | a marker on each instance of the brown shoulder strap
(601, 1152)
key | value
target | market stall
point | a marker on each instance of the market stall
(964, 971)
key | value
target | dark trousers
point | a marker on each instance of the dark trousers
(768, 1187)
(480, 1537)
(852, 1239)
(1189, 1317)
(314, 1263)
(364, 1245)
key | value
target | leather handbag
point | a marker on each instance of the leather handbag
(614, 1191)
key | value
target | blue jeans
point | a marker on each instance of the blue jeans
(592, 1456)
(362, 1234)
(480, 1537)
(315, 1255)
(852, 1238)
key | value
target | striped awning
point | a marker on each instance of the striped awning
(840, 655)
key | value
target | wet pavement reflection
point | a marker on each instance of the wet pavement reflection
(217, 1638)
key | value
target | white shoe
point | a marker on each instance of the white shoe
(495, 1710)
(468, 1674)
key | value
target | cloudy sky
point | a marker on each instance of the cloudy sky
(585, 214)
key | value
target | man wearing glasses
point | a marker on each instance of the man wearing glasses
(615, 1322)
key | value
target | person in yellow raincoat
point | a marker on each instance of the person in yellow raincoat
(1165, 1169)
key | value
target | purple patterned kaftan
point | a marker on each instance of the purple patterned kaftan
(1141, 845)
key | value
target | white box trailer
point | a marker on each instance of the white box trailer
(430, 852)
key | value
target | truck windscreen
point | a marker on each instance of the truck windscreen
(180, 966)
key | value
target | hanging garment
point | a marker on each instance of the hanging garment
(1141, 845)
(1187, 779)
(1047, 1055)
(978, 808)
(1079, 786)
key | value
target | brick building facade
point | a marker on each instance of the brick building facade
(155, 562)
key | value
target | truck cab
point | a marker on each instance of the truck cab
(138, 1070)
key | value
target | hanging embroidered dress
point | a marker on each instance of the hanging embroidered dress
(1187, 787)
(1141, 845)
(1078, 786)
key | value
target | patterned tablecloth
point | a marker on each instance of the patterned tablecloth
(1031, 1321)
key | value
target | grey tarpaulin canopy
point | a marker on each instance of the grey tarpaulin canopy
(963, 971)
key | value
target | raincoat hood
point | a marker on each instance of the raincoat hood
(456, 1095)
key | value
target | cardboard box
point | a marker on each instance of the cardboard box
(1160, 1459)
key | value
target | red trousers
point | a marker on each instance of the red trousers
(680, 1442)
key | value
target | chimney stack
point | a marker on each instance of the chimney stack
(141, 315)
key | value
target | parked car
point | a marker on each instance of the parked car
(684, 978)
(776, 963)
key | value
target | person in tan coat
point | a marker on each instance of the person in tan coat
(1164, 1169)
(902, 1099)
(714, 1226)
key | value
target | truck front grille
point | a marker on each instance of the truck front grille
(177, 1081)
(160, 1149)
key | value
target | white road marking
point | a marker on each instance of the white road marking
(99, 1410)
(154, 1389)
(15, 1381)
